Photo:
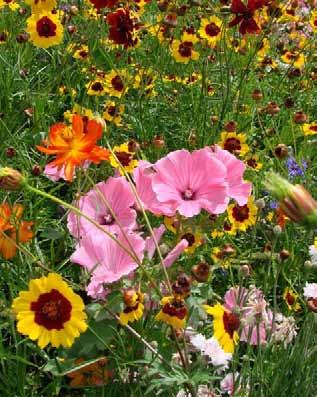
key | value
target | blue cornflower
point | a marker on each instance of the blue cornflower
(294, 169)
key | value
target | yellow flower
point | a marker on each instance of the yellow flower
(192, 79)
(210, 29)
(125, 158)
(45, 29)
(183, 51)
(194, 241)
(222, 256)
(290, 298)
(264, 48)
(234, 143)
(41, 5)
(96, 87)
(174, 312)
(113, 112)
(313, 21)
(134, 307)
(85, 113)
(80, 52)
(294, 58)
(243, 216)
(310, 129)
(226, 325)
(12, 4)
(50, 312)
(253, 162)
(116, 83)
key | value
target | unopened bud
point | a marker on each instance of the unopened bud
(245, 270)
(308, 264)
(300, 118)
(284, 254)
(260, 203)
(11, 179)
(201, 272)
(281, 151)
(277, 230)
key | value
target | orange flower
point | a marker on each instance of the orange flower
(91, 374)
(12, 230)
(73, 145)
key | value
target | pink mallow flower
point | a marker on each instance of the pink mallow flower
(189, 182)
(105, 259)
(115, 194)
(238, 189)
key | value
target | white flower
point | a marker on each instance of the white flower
(310, 290)
(284, 329)
(313, 254)
(198, 341)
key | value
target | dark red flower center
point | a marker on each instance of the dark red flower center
(240, 212)
(232, 145)
(190, 238)
(83, 54)
(188, 194)
(212, 29)
(290, 299)
(106, 219)
(97, 86)
(124, 158)
(112, 110)
(52, 310)
(3, 36)
(313, 127)
(185, 49)
(117, 83)
(231, 323)
(46, 27)
(252, 163)
(175, 309)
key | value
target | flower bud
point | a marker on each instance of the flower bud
(11, 179)
(257, 95)
(170, 20)
(277, 230)
(300, 118)
(231, 126)
(245, 270)
(308, 264)
(201, 272)
(260, 203)
(312, 304)
(281, 151)
(284, 254)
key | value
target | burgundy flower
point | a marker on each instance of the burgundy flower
(244, 15)
(121, 27)
(103, 3)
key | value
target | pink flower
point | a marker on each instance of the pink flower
(227, 384)
(105, 259)
(173, 255)
(150, 246)
(55, 173)
(310, 291)
(116, 194)
(189, 182)
(254, 314)
(238, 189)
(143, 176)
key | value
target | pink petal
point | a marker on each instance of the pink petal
(175, 253)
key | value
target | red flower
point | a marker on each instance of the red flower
(245, 15)
(103, 3)
(122, 27)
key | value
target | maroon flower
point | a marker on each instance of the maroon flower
(244, 15)
(103, 3)
(121, 27)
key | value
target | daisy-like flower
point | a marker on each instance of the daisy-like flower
(105, 259)
(253, 162)
(174, 312)
(189, 182)
(112, 112)
(243, 216)
(183, 50)
(50, 312)
(310, 129)
(210, 30)
(95, 374)
(245, 15)
(194, 240)
(134, 307)
(41, 5)
(296, 59)
(284, 330)
(125, 158)
(113, 196)
(234, 143)
(13, 230)
(45, 29)
(96, 87)
(313, 21)
(122, 27)
(116, 83)
(80, 52)
(226, 324)
(73, 145)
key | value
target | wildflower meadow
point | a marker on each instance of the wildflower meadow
(158, 177)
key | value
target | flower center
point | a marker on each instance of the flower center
(212, 29)
(252, 163)
(46, 27)
(112, 110)
(97, 86)
(124, 158)
(232, 145)
(117, 83)
(290, 299)
(185, 49)
(188, 194)
(190, 238)
(51, 310)
(175, 309)
(231, 323)
(240, 213)
(106, 219)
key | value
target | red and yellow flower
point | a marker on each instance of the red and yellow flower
(291, 299)
(50, 312)
(45, 29)
(134, 306)
(174, 312)
(183, 50)
(243, 216)
(234, 143)
(210, 30)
